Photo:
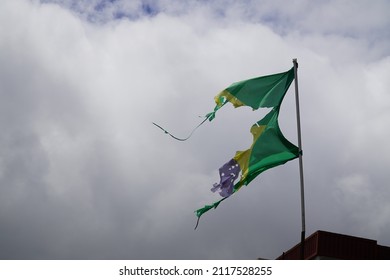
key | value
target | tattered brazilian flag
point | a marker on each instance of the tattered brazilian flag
(269, 148)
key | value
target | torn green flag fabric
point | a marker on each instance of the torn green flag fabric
(261, 92)
(269, 149)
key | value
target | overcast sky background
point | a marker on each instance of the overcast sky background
(85, 175)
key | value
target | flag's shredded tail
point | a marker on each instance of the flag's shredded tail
(210, 116)
(181, 139)
(206, 208)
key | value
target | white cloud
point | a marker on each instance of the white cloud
(84, 171)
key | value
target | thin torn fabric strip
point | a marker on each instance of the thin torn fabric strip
(182, 139)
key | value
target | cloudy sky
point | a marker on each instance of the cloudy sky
(85, 175)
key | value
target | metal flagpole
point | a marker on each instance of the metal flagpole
(300, 160)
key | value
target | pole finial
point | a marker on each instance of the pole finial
(295, 61)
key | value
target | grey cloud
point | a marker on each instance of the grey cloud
(85, 174)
